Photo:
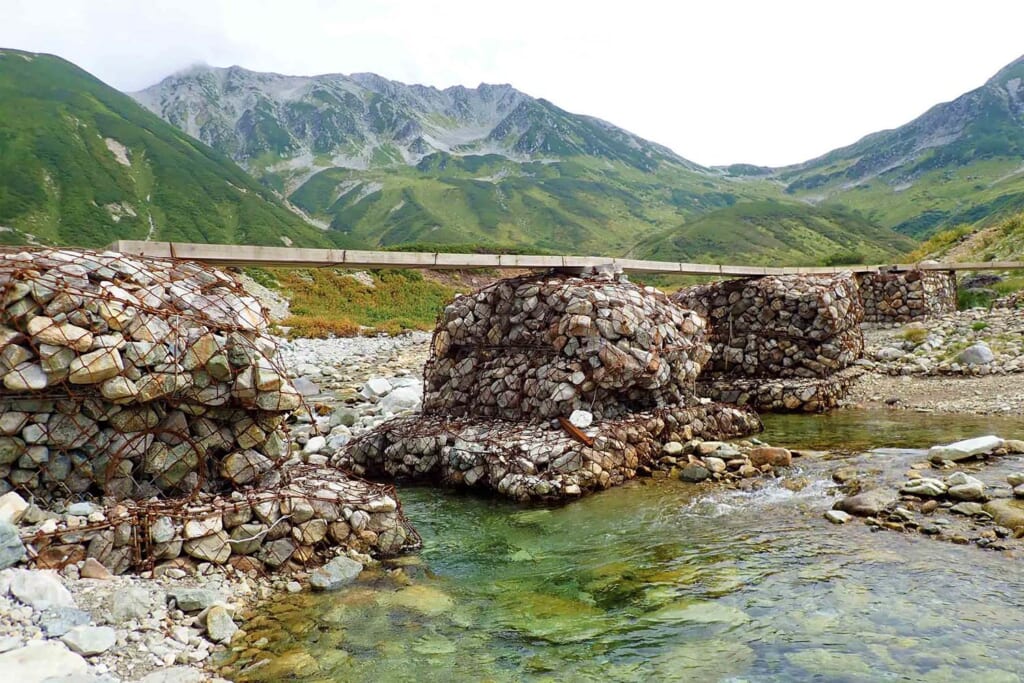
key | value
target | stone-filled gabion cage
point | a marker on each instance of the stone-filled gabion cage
(538, 347)
(154, 386)
(905, 296)
(785, 343)
(545, 387)
(780, 326)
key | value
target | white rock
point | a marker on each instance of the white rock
(581, 419)
(12, 507)
(962, 450)
(40, 589)
(90, 640)
(40, 660)
(314, 445)
(376, 386)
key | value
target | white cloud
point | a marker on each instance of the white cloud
(719, 82)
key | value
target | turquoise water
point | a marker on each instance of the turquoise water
(661, 580)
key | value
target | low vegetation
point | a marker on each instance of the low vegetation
(330, 301)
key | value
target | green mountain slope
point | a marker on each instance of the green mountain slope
(575, 205)
(959, 162)
(385, 163)
(83, 164)
(773, 233)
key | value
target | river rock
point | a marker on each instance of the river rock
(694, 473)
(12, 507)
(1008, 513)
(40, 589)
(90, 640)
(39, 661)
(376, 387)
(964, 487)
(56, 621)
(976, 354)
(837, 516)
(337, 573)
(581, 419)
(131, 602)
(194, 599)
(768, 455)
(220, 627)
(402, 399)
(12, 550)
(867, 503)
(964, 450)
(925, 486)
(214, 548)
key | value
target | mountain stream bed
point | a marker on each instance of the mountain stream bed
(664, 580)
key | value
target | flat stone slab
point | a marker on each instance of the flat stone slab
(40, 660)
(962, 450)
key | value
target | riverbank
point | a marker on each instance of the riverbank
(354, 384)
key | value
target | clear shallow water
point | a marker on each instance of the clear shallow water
(661, 580)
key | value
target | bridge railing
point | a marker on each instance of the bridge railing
(299, 257)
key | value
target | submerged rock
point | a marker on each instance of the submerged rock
(867, 503)
(339, 572)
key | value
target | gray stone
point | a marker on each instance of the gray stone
(867, 503)
(220, 627)
(339, 572)
(276, 553)
(694, 473)
(194, 599)
(131, 602)
(40, 589)
(976, 354)
(90, 640)
(82, 509)
(247, 538)
(56, 621)
(376, 386)
(969, 509)
(305, 386)
(12, 550)
(925, 486)
(403, 399)
(213, 548)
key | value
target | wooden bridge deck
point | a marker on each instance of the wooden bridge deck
(290, 257)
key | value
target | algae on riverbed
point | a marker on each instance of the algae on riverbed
(662, 580)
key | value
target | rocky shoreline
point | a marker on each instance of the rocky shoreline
(353, 385)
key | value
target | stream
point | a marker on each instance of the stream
(663, 580)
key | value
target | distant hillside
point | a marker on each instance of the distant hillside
(772, 233)
(83, 164)
(384, 163)
(960, 161)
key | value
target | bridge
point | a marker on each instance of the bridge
(297, 257)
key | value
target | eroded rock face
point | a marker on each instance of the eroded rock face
(539, 347)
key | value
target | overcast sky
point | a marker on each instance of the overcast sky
(720, 81)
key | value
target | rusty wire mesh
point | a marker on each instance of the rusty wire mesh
(154, 384)
(539, 346)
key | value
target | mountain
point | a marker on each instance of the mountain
(957, 163)
(83, 164)
(383, 163)
(773, 232)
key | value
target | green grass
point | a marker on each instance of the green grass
(327, 300)
(773, 233)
